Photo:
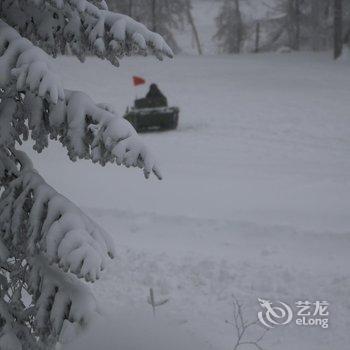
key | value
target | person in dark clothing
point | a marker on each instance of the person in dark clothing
(154, 92)
(153, 99)
(156, 97)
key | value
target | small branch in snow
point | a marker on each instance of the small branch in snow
(153, 303)
(241, 325)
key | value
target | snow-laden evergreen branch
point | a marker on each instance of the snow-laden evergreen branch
(47, 243)
(87, 29)
(53, 225)
(88, 130)
(27, 65)
(63, 305)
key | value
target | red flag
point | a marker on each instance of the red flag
(138, 81)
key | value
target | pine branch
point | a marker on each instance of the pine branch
(61, 301)
(85, 27)
(50, 244)
(47, 244)
(34, 94)
(34, 212)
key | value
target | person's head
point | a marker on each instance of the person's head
(153, 87)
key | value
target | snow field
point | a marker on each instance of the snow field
(254, 201)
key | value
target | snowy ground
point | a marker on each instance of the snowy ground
(255, 199)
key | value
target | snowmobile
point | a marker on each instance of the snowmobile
(152, 114)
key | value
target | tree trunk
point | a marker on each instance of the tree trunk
(239, 28)
(154, 16)
(293, 24)
(130, 8)
(193, 26)
(315, 18)
(290, 24)
(338, 28)
(297, 14)
(347, 37)
(257, 37)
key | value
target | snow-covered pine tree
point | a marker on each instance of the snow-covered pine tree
(48, 247)
(230, 33)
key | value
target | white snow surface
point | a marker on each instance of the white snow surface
(254, 201)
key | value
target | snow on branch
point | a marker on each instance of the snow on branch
(88, 130)
(64, 305)
(46, 245)
(33, 212)
(27, 65)
(84, 26)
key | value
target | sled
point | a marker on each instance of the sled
(145, 117)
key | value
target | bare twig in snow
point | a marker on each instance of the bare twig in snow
(241, 326)
(151, 300)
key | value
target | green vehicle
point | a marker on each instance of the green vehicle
(152, 112)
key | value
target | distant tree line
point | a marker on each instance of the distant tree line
(295, 24)
(162, 16)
